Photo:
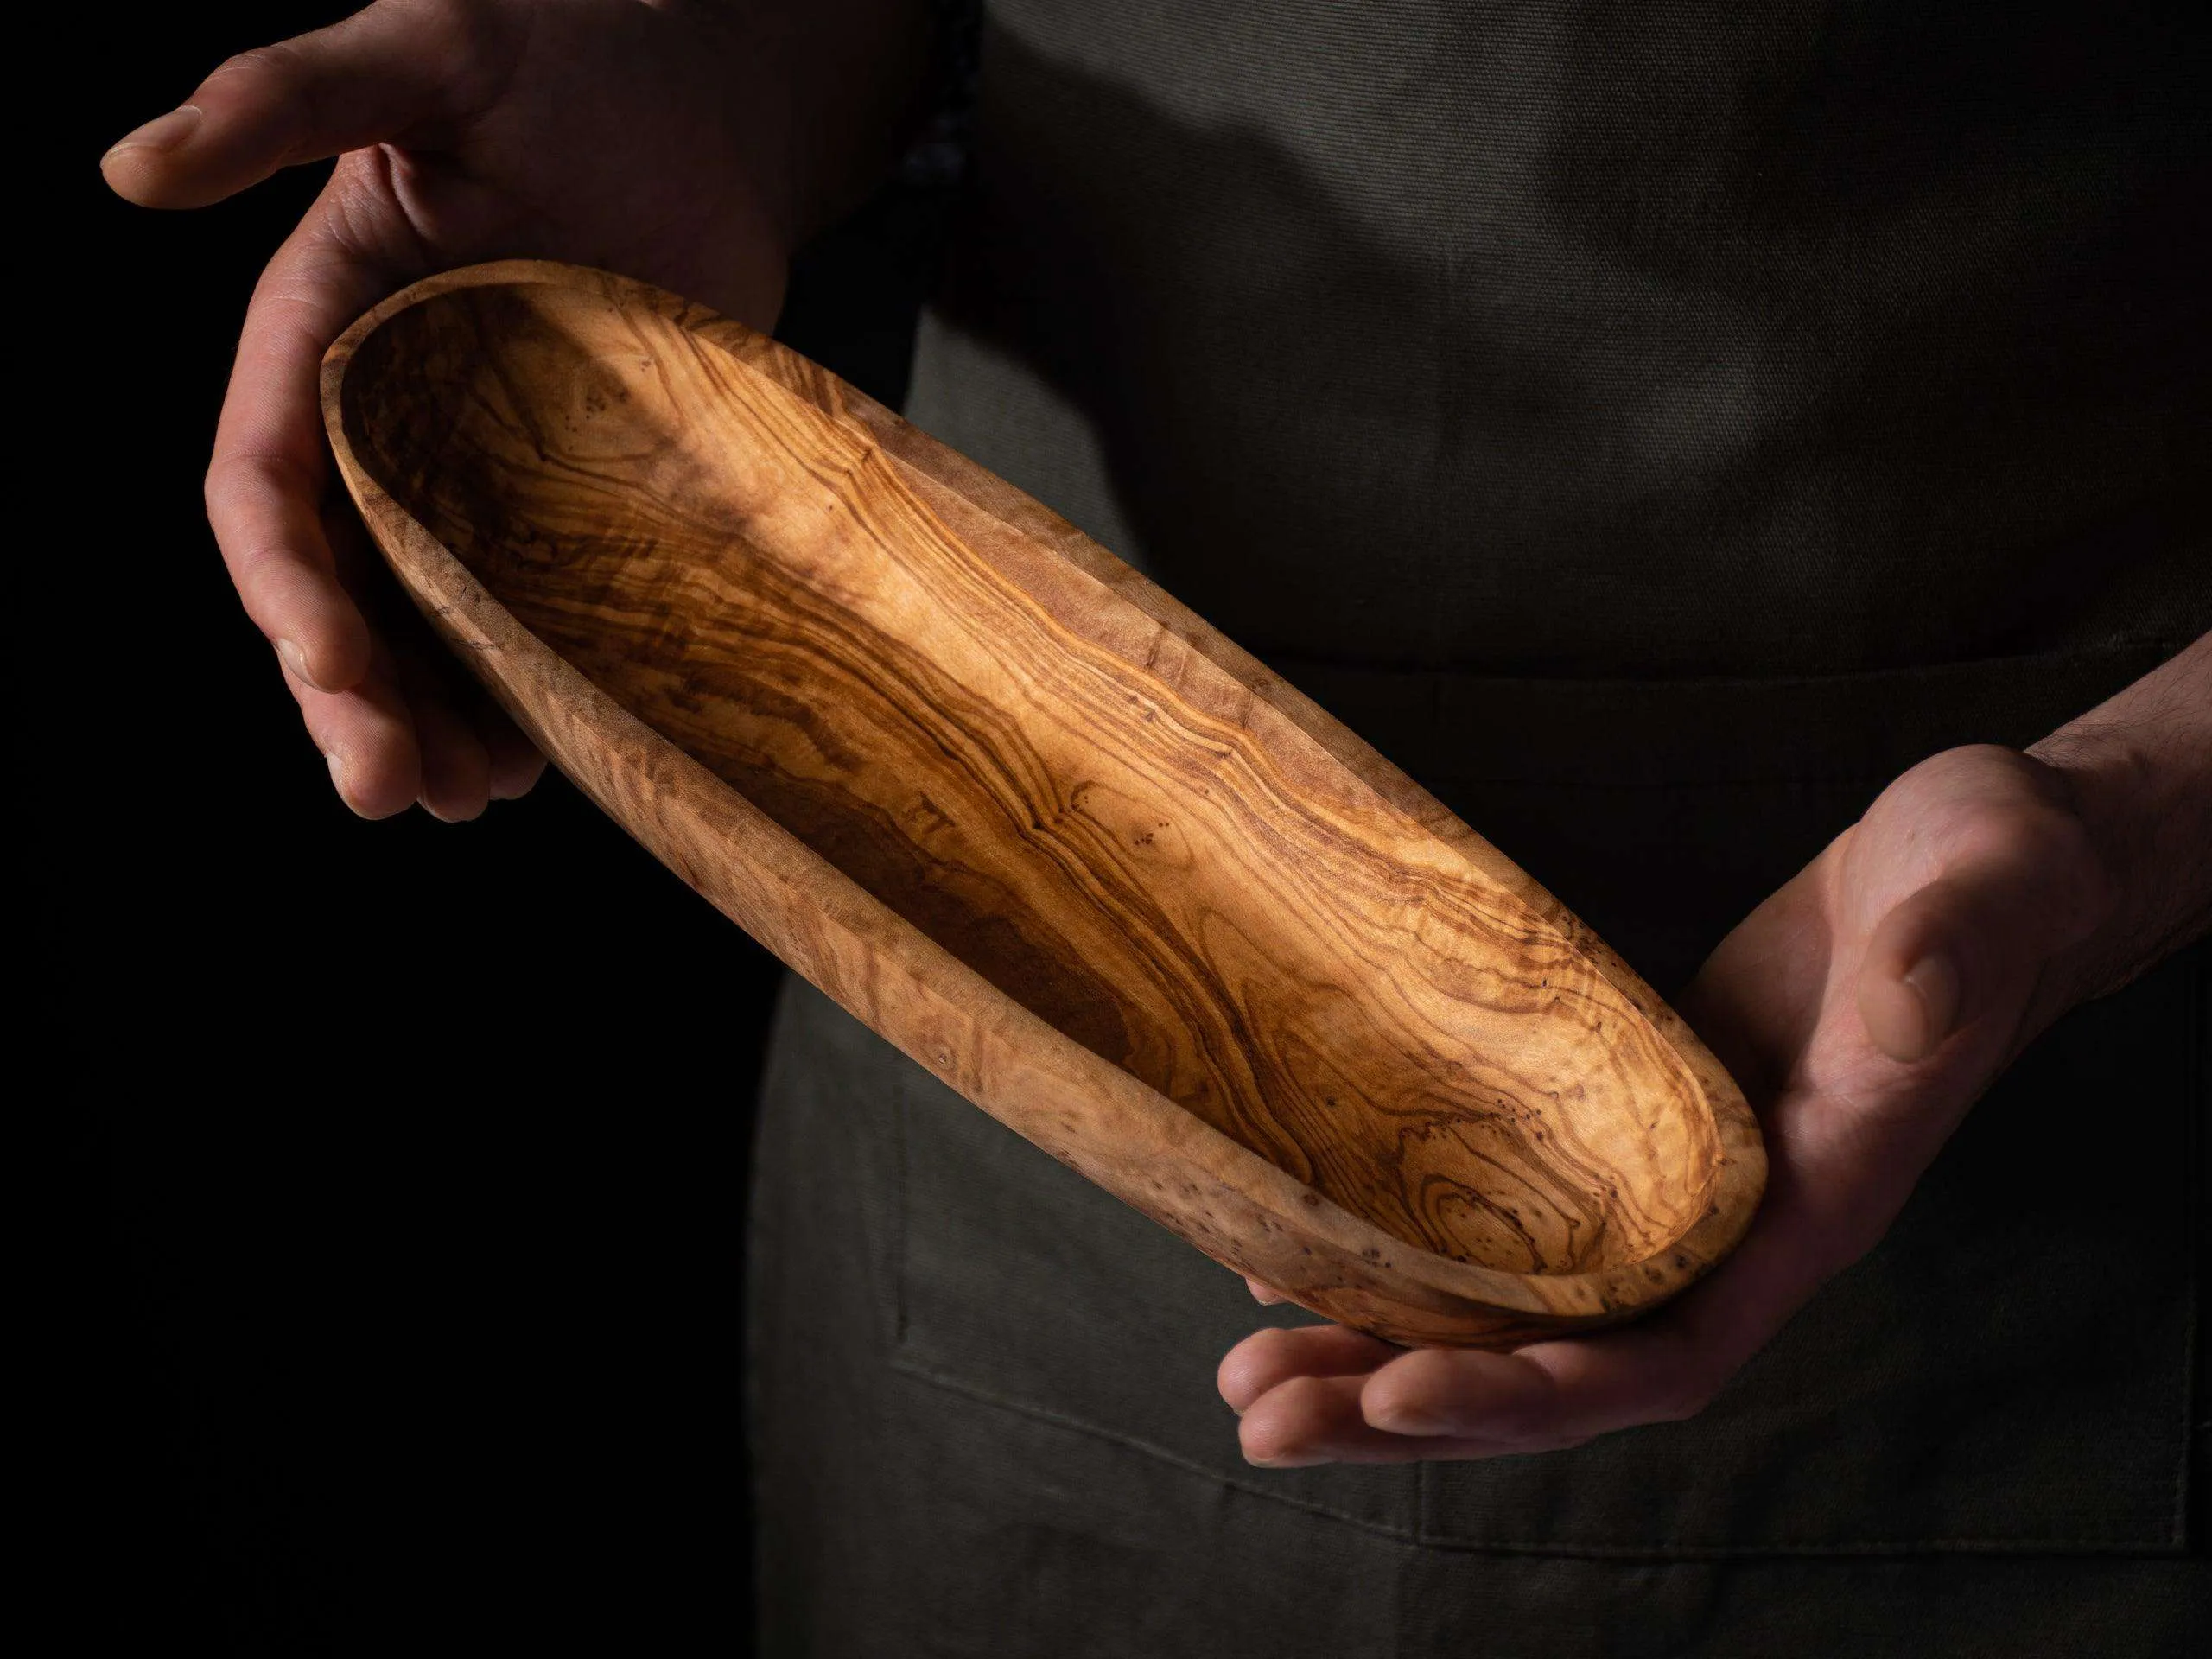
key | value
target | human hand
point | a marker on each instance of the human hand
(657, 142)
(1863, 1008)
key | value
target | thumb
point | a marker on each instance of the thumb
(399, 67)
(1970, 943)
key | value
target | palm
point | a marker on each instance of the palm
(1862, 1057)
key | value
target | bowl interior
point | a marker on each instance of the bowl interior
(1306, 968)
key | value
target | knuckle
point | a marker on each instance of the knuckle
(283, 73)
(231, 476)
(474, 43)
(472, 27)
(274, 64)
(219, 490)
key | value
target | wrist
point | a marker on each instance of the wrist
(2104, 799)
(2137, 773)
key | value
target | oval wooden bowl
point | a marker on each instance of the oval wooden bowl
(1031, 819)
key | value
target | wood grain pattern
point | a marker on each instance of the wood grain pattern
(1031, 819)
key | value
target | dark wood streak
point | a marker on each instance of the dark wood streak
(1043, 767)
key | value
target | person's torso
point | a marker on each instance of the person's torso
(1653, 428)
(1605, 341)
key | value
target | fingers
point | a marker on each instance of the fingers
(1324, 1395)
(396, 727)
(401, 70)
(262, 509)
(384, 74)
(409, 735)
(1383, 1404)
(457, 767)
(367, 738)
(1267, 1359)
(268, 476)
(1309, 1395)
(1962, 946)
(1312, 1420)
(1303, 1421)
(515, 764)
(1541, 1398)
(415, 729)
(269, 472)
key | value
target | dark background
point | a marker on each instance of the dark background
(404, 1163)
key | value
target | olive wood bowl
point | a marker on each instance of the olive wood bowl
(1031, 819)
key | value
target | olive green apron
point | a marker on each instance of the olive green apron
(1654, 431)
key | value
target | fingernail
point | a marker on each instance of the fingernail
(338, 776)
(1935, 980)
(295, 659)
(163, 132)
(1287, 1460)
